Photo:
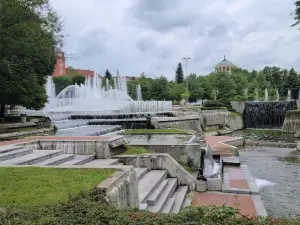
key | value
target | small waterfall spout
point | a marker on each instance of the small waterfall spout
(211, 168)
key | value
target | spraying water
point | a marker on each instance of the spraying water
(138, 90)
(256, 94)
(277, 94)
(266, 95)
(289, 98)
(246, 93)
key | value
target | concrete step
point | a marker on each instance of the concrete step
(15, 154)
(152, 199)
(166, 194)
(120, 164)
(56, 160)
(187, 202)
(35, 157)
(169, 205)
(179, 196)
(9, 148)
(79, 160)
(102, 162)
(149, 182)
(140, 172)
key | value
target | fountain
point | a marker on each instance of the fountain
(256, 94)
(266, 95)
(277, 94)
(139, 93)
(92, 97)
(246, 93)
(208, 167)
(289, 98)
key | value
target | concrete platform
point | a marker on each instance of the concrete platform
(238, 180)
(102, 162)
(248, 205)
(79, 160)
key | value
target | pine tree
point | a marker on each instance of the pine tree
(179, 77)
(291, 83)
(108, 75)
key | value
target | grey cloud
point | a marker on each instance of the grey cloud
(145, 44)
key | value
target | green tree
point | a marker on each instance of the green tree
(179, 77)
(107, 75)
(78, 79)
(61, 83)
(296, 14)
(195, 86)
(223, 86)
(28, 36)
(159, 88)
(291, 82)
(176, 90)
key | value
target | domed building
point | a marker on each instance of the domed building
(224, 65)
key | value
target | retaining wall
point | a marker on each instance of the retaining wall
(121, 189)
(159, 162)
(182, 153)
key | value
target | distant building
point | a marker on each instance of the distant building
(224, 65)
(60, 66)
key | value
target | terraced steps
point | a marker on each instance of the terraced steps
(157, 193)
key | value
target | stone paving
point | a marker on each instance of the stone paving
(244, 203)
(215, 142)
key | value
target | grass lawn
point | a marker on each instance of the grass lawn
(131, 150)
(156, 131)
(29, 186)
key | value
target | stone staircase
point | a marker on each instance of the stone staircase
(158, 193)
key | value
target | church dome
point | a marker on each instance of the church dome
(224, 65)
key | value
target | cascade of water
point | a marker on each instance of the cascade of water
(246, 93)
(289, 98)
(269, 114)
(51, 92)
(299, 94)
(211, 168)
(266, 95)
(256, 94)
(277, 95)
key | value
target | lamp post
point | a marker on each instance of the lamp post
(186, 69)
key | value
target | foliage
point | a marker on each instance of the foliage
(78, 79)
(27, 43)
(61, 83)
(296, 14)
(133, 150)
(292, 83)
(176, 90)
(34, 186)
(91, 208)
(108, 75)
(179, 77)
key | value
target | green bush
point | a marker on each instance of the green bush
(91, 208)
(213, 104)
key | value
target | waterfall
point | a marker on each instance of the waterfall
(138, 90)
(266, 114)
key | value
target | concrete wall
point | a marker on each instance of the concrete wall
(234, 121)
(191, 122)
(183, 153)
(158, 162)
(291, 122)
(101, 149)
(121, 189)
(238, 106)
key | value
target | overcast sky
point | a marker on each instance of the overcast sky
(152, 36)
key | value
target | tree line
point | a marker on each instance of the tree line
(239, 84)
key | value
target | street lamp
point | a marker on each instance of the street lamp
(186, 69)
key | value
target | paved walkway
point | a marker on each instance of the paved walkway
(215, 142)
(244, 203)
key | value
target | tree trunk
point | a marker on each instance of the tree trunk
(2, 113)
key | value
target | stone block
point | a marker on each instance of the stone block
(201, 186)
(214, 184)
